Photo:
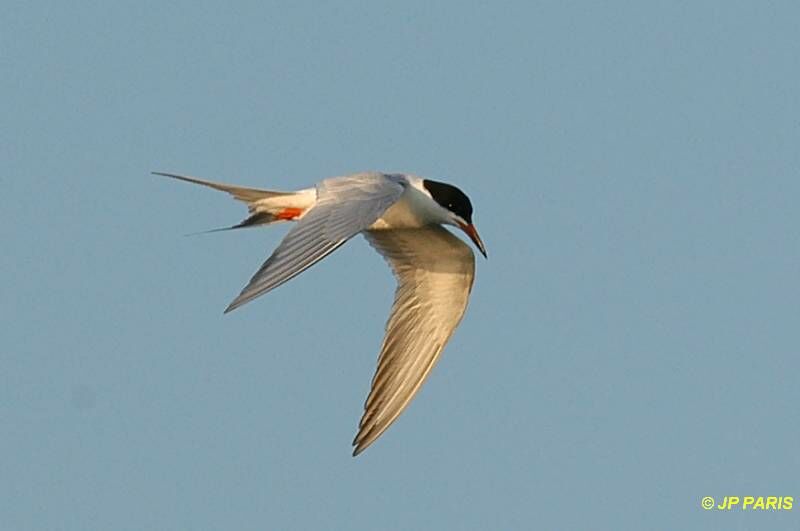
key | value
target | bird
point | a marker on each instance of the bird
(402, 217)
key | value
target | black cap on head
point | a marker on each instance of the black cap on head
(451, 198)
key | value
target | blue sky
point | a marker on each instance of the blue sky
(631, 345)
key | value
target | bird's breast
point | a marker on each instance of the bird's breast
(412, 211)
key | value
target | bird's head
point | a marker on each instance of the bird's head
(458, 207)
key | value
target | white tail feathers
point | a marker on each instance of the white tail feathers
(265, 206)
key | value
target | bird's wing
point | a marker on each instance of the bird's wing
(345, 206)
(434, 271)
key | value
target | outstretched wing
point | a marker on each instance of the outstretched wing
(345, 206)
(434, 271)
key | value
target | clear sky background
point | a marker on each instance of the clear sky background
(632, 343)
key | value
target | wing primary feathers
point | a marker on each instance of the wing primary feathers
(344, 207)
(434, 271)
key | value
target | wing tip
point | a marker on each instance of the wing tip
(171, 175)
(235, 303)
(365, 438)
(245, 296)
(360, 446)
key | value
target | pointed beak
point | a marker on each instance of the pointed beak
(472, 232)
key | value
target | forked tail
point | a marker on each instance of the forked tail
(265, 206)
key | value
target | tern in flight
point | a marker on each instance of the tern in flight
(401, 216)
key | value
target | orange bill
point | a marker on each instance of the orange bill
(472, 232)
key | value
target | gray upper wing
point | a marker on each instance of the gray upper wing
(345, 206)
(434, 270)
